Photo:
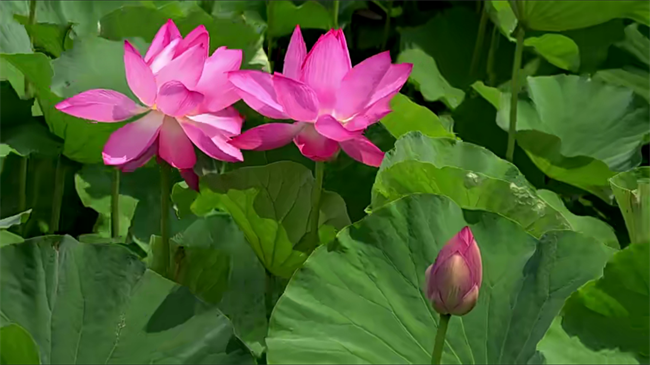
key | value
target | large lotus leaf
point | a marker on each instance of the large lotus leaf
(83, 141)
(283, 16)
(636, 43)
(558, 347)
(272, 206)
(632, 78)
(139, 201)
(144, 22)
(449, 39)
(362, 301)
(589, 226)
(470, 175)
(212, 259)
(610, 315)
(632, 192)
(560, 15)
(17, 346)
(407, 116)
(562, 111)
(13, 36)
(94, 303)
(51, 39)
(427, 78)
(557, 49)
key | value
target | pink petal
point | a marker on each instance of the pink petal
(100, 105)
(165, 56)
(295, 56)
(167, 33)
(141, 160)
(331, 128)
(370, 115)
(139, 75)
(267, 136)
(358, 85)
(132, 140)
(344, 46)
(176, 100)
(314, 146)
(362, 150)
(392, 81)
(212, 141)
(214, 85)
(191, 178)
(228, 120)
(198, 36)
(256, 88)
(324, 68)
(298, 100)
(186, 68)
(174, 146)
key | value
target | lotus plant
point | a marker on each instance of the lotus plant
(185, 97)
(330, 102)
(453, 282)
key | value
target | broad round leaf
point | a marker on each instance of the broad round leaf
(94, 303)
(407, 116)
(556, 15)
(17, 346)
(272, 205)
(470, 175)
(362, 301)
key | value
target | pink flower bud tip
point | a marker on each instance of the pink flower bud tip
(454, 279)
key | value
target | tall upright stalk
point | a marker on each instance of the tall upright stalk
(57, 199)
(22, 182)
(439, 344)
(32, 20)
(269, 38)
(389, 8)
(315, 200)
(115, 203)
(478, 46)
(165, 190)
(335, 14)
(494, 45)
(512, 131)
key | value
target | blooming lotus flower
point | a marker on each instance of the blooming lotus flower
(186, 97)
(331, 101)
(454, 280)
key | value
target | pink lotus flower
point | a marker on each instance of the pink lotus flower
(331, 102)
(454, 280)
(186, 97)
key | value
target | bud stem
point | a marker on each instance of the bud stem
(440, 338)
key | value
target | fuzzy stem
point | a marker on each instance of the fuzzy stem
(512, 131)
(315, 200)
(115, 204)
(57, 200)
(494, 45)
(165, 186)
(440, 339)
(478, 46)
(335, 14)
(389, 8)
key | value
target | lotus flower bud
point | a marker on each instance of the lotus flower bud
(454, 279)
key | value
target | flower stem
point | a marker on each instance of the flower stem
(165, 186)
(57, 200)
(22, 188)
(389, 8)
(478, 46)
(440, 338)
(494, 45)
(115, 204)
(32, 20)
(315, 201)
(510, 152)
(335, 14)
(269, 39)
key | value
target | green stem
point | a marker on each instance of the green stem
(268, 294)
(32, 20)
(512, 131)
(478, 46)
(57, 200)
(389, 8)
(165, 186)
(315, 199)
(440, 339)
(115, 204)
(269, 39)
(335, 14)
(494, 45)
(22, 188)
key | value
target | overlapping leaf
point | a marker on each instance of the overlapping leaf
(362, 301)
